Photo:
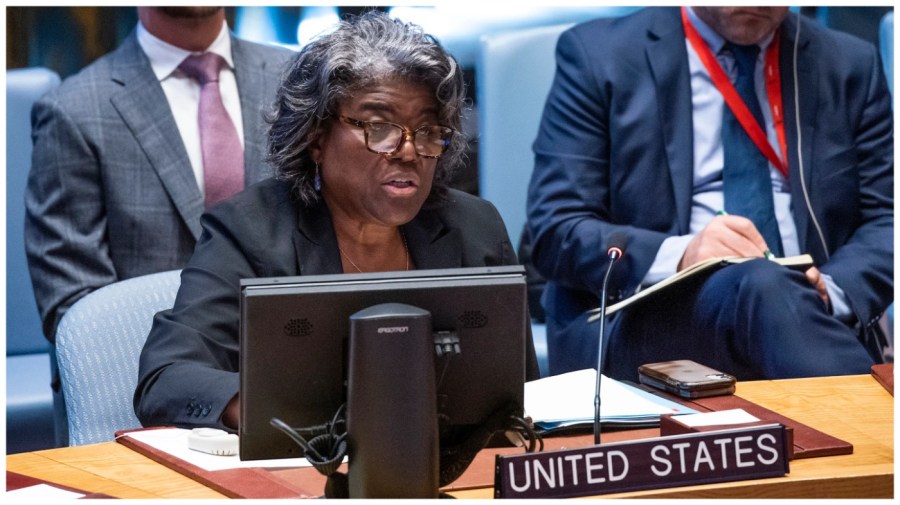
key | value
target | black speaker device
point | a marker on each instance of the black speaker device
(392, 424)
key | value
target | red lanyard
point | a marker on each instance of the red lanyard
(734, 101)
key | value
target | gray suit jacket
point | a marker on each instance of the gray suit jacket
(111, 193)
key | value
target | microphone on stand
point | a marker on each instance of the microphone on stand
(613, 253)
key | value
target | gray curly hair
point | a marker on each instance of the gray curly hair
(364, 50)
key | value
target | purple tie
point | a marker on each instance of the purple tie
(223, 157)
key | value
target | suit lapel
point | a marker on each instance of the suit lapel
(808, 97)
(315, 242)
(431, 245)
(143, 107)
(667, 57)
(253, 79)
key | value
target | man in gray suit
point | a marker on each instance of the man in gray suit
(113, 191)
(116, 183)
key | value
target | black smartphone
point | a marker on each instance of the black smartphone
(686, 378)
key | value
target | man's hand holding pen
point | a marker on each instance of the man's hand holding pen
(725, 235)
(728, 235)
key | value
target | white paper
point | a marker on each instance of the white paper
(42, 493)
(570, 397)
(723, 417)
(174, 441)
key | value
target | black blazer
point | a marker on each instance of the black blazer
(189, 365)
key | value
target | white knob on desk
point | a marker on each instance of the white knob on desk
(213, 441)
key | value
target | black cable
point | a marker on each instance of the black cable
(444, 368)
(327, 447)
(296, 437)
(534, 439)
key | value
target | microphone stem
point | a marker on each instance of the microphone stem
(612, 261)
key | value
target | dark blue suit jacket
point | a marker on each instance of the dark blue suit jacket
(614, 154)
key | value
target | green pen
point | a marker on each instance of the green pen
(766, 254)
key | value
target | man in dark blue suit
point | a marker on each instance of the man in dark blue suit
(638, 145)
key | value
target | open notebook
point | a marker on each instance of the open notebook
(802, 262)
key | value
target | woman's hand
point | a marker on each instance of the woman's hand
(232, 415)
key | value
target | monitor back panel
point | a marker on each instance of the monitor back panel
(294, 341)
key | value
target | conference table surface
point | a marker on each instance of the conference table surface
(855, 408)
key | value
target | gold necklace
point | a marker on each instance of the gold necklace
(405, 248)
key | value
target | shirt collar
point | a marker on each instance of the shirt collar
(715, 41)
(165, 58)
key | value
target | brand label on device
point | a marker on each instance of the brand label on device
(393, 329)
(680, 460)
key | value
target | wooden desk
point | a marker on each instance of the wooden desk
(856, 409)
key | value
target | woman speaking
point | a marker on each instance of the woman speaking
(363, 138)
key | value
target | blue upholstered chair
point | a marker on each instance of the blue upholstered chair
(514, 72)
(98, 344)
(29, 399)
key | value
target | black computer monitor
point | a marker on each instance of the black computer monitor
(294, 339)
